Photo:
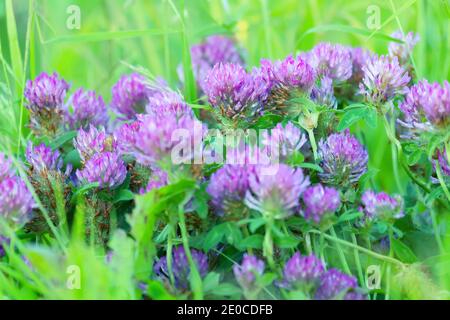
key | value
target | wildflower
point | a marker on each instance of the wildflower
(331, 60)
(275, 190)
(6, 169)
(343, 159)
(42, 158)
(320, 202)
(45, 98)
(384, 78)
(16, 201)
(444, 164)
(381, 206)
(360, 56)
(93, 141)
(158, 179)
(125, 136)
(167, 101)
(130, 95)
(302, 271)
(335, 285)
(404, 50)
(107, 169)
(180, 266)
(213, 50)
(86, 109)
(323, 93)
(287, 140)
(234, 94)
(248, 271)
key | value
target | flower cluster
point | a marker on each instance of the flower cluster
(248, 271)
(285, 140)
(86, 108)
(320, 202)
(381, 206)
(403, 50)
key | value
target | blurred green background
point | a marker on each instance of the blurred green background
(114, 34)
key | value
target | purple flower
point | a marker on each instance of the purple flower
(130, 95)
(234, 94)
(286, 140)
(16, 201)
(323, 93)
(215, 49)
(302, 270)
(42, 159)
(381, 206)
(443, 161)
(404, 50)
(384, 78)
(45, 98)
(167, 101)
(331, 60)
(6, 168)
(359, 58)
(343, 159)
(157, 179)
(335, 285)
(246, 274)
(275, 190)
(93, 141)
(107, 169)
(125, 136)
(319, 202)
(86, 109)
(180, 266)
(228, 186)
(158, 136)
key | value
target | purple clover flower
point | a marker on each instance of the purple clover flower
(87, 109)
(234, 94)
(323, 93)
(158, 179)
(93, 141)
(6, 167)
(331, 60)
(16, 201)
(404, 50)
(334, 285)
(343, 159)
(180, 266)
(360, 56)
(228, 187)
(286, 140)
(125, 136)
(381, 206)
(443, 161)
(275, 190)
(247, 272)
(302, 270)
(213, 50)
(107, 169)
(167, 101)
(320, 202)
(45, 99)
(384, 78)
(130, 95)
(42, 158)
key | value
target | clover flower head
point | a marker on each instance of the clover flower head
(403, 50)
(125, 136)
(180, 266)
(16, 201)
(301, 270)
(286, 139)
(275, 190)
(168, 101)
(42, 158)
(384, 78)
(331, 60)
(130, 95)
(107, 169)
(319, 202)
(6, 167)
(335, 284)
(343, 159)
(86, 109)
(381, 206)
(247, 272)
(93, 141)
(323, 93)
(359, 58)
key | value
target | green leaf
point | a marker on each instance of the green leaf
(311, 166)
(62, 139)
(351, 116)
(211, 281)
(123, 195)
(267, 279)
(214, 237)
(403, 252)
(371, 117)
(256, 224)
(287, 241)
(227, 289)
(267, 121)
(350, 215)
(254, 241)
(73, 157)
(157, 291)
(200, 202)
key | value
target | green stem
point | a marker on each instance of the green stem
(268, 244)
(247, 234)
(312, 141)
(361, 249)
(441, 180)
(357, 260)
(436, 231)
(340, 252)
(308, 243)
(388, 267)
(169, 250)
(395, 147)
(195, 278)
